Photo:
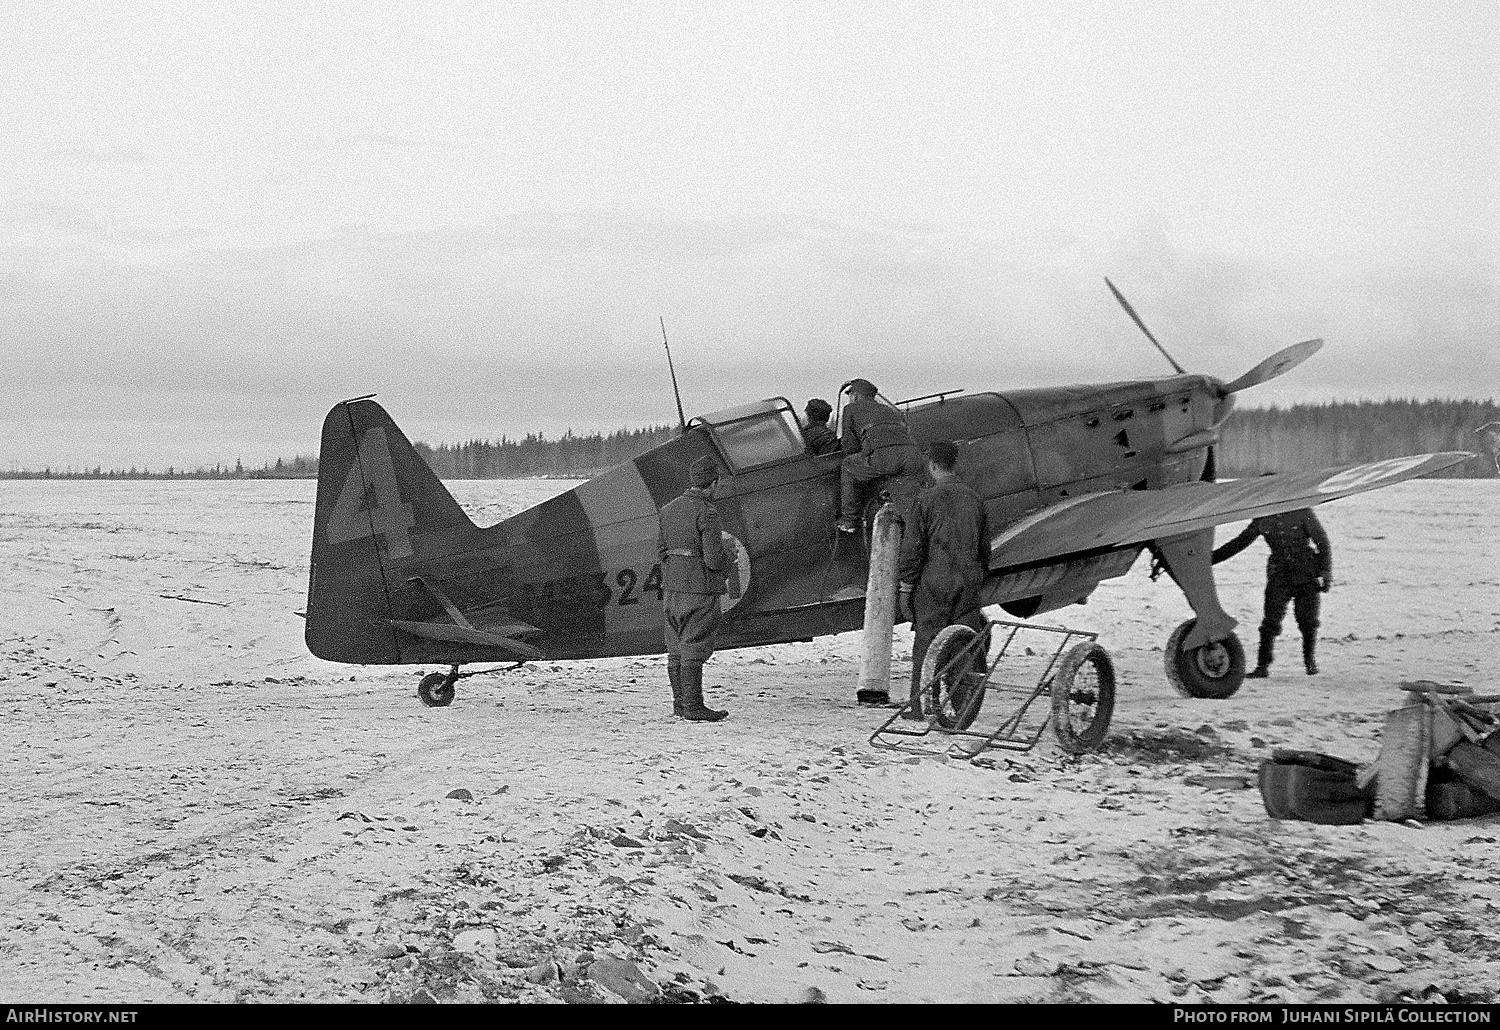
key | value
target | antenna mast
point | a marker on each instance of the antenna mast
(681, 419)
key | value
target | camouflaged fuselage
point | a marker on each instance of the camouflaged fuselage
(400, 574)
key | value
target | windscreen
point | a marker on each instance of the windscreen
(760, 439)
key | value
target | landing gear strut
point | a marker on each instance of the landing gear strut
(436, 688)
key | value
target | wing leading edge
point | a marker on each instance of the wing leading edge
(1125, 517)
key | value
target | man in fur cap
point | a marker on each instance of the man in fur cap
(695, 569)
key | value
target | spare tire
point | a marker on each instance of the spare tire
(1315, 788)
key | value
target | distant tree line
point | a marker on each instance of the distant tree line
(1311, 436)
(300, 467)
(1255, 440)
(572, 456)
(569, 457)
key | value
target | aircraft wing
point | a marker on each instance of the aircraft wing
(1124, 517)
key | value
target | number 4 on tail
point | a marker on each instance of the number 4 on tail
(370, 502)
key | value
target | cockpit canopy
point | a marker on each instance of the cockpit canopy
(752, 435)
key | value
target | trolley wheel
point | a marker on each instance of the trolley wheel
(1083, 698)
(436, 690)
(951, 690)
(1214, 670)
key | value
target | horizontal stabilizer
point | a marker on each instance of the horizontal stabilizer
(453, 634)
(1124, 517)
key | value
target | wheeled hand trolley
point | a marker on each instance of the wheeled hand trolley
(963, 672)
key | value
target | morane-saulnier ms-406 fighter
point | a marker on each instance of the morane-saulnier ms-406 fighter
(1078, 480)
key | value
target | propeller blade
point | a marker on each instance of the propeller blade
(1282, 361)
(1142, 325)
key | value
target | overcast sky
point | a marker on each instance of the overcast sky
(217, 219)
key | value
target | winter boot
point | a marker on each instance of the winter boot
(914, 709)
(674, 673)
(1263, 658)
(1309, 645)
(693, 708)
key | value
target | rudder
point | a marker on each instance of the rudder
(379, 509)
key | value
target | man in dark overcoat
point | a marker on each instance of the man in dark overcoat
(1299, 569)
(945, 555)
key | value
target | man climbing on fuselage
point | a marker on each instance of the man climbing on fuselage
(879, 447)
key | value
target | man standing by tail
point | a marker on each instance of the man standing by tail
(1299, 569)
(695, 568)
(945, 555)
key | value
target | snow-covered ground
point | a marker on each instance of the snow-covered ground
(197, 809)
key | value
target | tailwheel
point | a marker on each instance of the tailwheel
(1214, 670)
(436, 689)
(1083, 698)
(952, 685)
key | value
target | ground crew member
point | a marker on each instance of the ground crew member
(1299, 569)
(879, 447)
(945, 555)
(695, 568)
(818, 437)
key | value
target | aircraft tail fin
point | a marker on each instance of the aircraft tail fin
(380, 509)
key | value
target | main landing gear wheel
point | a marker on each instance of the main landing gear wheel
(951, 691)
(1214, 670)
(436, 689)
(1083, 698)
